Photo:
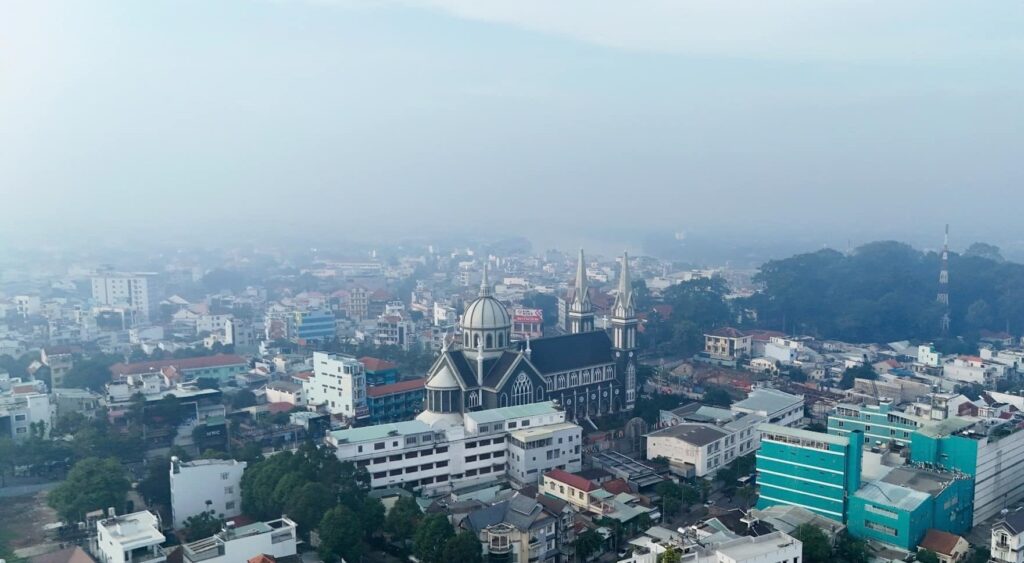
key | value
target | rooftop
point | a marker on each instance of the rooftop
(804, 434)
(895, 496)
(574, 481)
(399, 387)
(947, 427)
(519, 411)
(697, 434)
(379, 431)
(768, 400)
(132, 531)
(534, 432)
(921, 480)
(218, 360)
(939, 541)
(376, 364)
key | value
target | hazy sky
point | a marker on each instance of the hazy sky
(138, 119)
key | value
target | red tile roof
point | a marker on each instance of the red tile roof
(400, 387)
(303, 375)
(376, 364)
(727, 332)
(765, 335)
(18, 389)
(574, 481)
(262, 558)
(180, 364)
(939, 541)
(616, 486)
(275, 408)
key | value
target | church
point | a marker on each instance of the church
(590, 372)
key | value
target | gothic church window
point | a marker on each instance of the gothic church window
(522, 390)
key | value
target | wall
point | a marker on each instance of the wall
(193, 485)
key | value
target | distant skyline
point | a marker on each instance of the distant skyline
(794, 122)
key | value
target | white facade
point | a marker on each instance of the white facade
(277, 538)
(211, 323)
(705, 448)
(776, 547)
(450, 451)
(999, 477)
(27, 305)
(338, 385)
(777, 407)
(18, 411)
(239, 333)
(1008, 539)
(971, 369)
(204, 485)
(136, 291)
(132, 538)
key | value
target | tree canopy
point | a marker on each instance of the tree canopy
(464, 547)
(92, 484)
(816, 546)
(431, 537)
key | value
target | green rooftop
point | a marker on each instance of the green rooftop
(804, 434)
(380, 431)
(942, 428)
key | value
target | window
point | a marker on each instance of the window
(485, 428)
(441, 450)
(442, 463)
(395, 458)
(411, 440)
(378, 446)
(522, 390)
(360, 449)
(395, 472)
(888, 530)
(470, 458)
(229, 505)
(229, 490)
(512, 425)
(223, 476)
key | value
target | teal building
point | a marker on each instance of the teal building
(812, 470)
(899, 508)
(878, 423)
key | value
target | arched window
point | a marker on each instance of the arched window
(561, 381)
(465, 339)
(474, 399)
(476, 340)
(503, 401)
(540, 394)
(501, 340)
(586, 376)
(574, 379)
(490, 341)
(522, 390)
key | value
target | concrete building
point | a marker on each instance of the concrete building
(222, 367)
(879, 423)
(337, 386)
(569, 487)
(437, 454)
(991, 453)
(60, 360)
(973, 369)
(776, 407)
(378, 371)
(276, 538)
(81, 401)
(312, 326)
(812, 470)
(727, 343)
(22, 408)
(137, 291)
(205, 485)
(902, 506)
(285, 392)
(519, 530)
(699, 449)
(396, 402)
(132, 538)
(950, 548)
(1007, 544)
(240, 333)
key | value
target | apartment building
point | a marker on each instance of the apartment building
(205, 485)
(137, 291)
(132, 538)
(812, 470)
(776, 407)
(1007, 544)
(337, 386)
(276, 538)
(437, 455)
(879, 423)
(698, 449)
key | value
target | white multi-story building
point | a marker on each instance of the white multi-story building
(277, 538)
(777, 407)
(239, 333)
(21, 407)
(1008, 538)
(137, 291)
(212, 323)
(27, 305)
(337, 385)
(697, 449)
(205, 485)
(132, 538)
(927, 355)
(776, 547)
(973, 369)
(439, 452)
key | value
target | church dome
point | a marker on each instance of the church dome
(443, 379)
(486, 313)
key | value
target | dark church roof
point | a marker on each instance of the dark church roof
(560, 353)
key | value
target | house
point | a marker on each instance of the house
(519, 530)
(950, 548)
(569, 487)
(276, 538)
(1007, 544)
(129, 538)
(205, 485)
(727, 343)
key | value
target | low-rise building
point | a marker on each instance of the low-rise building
(776, 407)
(950, 548)
(396, 402)
(518, 530)
(205, 485)
(438, 452)
(222, 367)
(378, 371)
(1007, 544)
(132, 538)
(276, 538)
(699, 449)
(285, 392)
(727, 343)
(25, 409)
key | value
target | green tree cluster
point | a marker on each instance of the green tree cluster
(92, 484)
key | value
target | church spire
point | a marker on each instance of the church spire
(623, 307)
(485, 284)
(581, 313)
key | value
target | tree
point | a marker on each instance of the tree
(747, 494)
(670, 555)
(91, 373)
(862, 371)
(671, 496)
(587, 544)
(92, 484)
(717, 396)
(429, 541)
(155, 487)
(341, 535)
(816, 545)
(464, 547)
(202, 525)
(851, 550)
(243, 399)
(307, 504)
(816, 427)
(372, 514)
(984, 250)
(927, 556)
(979, 555)
(403, 518)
